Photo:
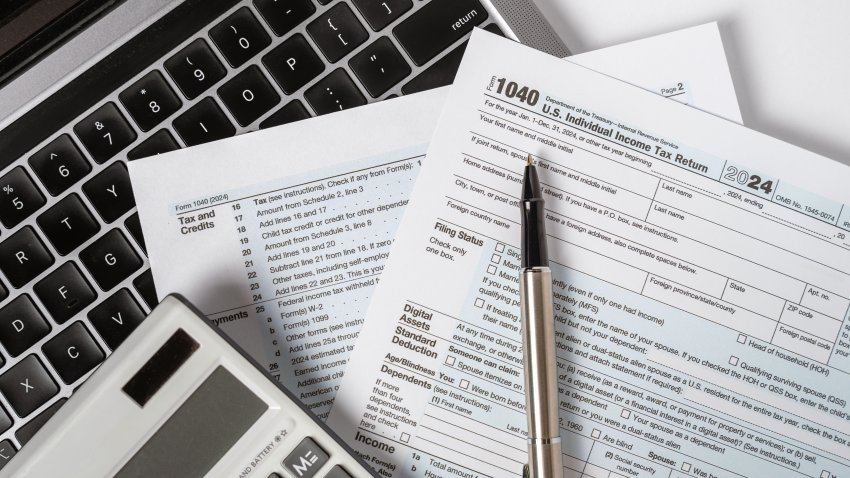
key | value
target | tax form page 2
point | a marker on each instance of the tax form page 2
(701, 289)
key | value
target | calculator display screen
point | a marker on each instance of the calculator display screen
(200, 432)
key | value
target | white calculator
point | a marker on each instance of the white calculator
(178, 399)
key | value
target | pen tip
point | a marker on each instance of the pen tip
(530, 160)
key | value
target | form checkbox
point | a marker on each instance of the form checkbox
(496, 259)
(500, 247)
(742, 339)
(625, 413)
(595, 433)
(733, 360)
(464, 383)
(491, 269)
(825, 474)
(686, 467)
(450, 360)
(405, 437)
(479, 303)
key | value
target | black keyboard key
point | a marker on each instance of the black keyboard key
(64, 292)
(334, 92)
(441, 73)
(493, 28)
(116, 317)
(379, 66)
(145, 286)
(248, 95)
(3, 294)
(324, 2)
(380, 13)
(134, 226)
(68, 224)
(195, 69)
(105, 133)
(293, 111)
(239, 37)
(157, 143)
(293, 64)
(59, 165)
(23, 257)
(26, 432)
(19, 197)
(150, 100)
(337, 32)
(110, 259)
(21, 325)
(286, 15)
(73, 353)
(203, 123)
(110, 192)
(27, 386)
(436, 26)
(7, 450)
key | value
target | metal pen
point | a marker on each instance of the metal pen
(538, 336)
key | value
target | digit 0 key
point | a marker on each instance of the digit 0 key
(19, 197)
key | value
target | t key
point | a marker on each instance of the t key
(105, 132)
(27, 386)
(68, 224)
(337, 32)
(19, 197)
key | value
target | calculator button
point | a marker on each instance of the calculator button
(379, 66)
(337, 32)
(434, 27)
(150, 100)
(110, 192)
(110, 259)
(338, 472)
(306, 459)
(284, 16)
(239, 37)
(19, 197)
(21, 325)
(73, 353)
(104, 133)
(27, 386)
(441, 73)
(275, 475)
(116, 317)
(68, 224)
(202, 123)
(293, 111)
(380, 13)
(334, 92)
(59, 165)
(134, 227)
(195, 69)
(293, 64)
(248, 95)
(157, 143)
(7, 450)
(23, 257)
(64, 292)
(26, 432)
(145, 287)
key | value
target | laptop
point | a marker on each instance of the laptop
(87, 85)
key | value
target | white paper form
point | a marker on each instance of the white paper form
(247, 228)
(702, 277)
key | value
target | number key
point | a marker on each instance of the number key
(150, 100)
(195, 69)
(239, 37)
(19, 197)
(105, 132)
(59, 165)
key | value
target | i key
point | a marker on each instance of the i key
(150, 100)
(59, 165)
(337, 32)
(27, 386)
(203, 122)
(19, 197)
(104, 133)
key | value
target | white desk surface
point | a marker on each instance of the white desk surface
(790, 59)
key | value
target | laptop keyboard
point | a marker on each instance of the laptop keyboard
(76, 280)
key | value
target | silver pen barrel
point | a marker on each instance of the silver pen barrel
(541, 380)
